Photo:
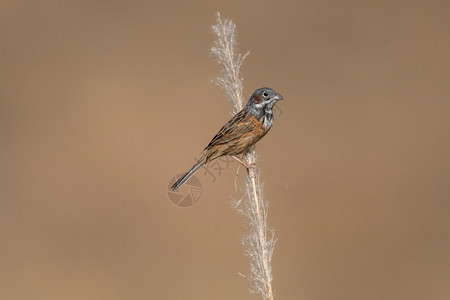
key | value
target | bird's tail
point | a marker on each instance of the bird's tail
(188, 174)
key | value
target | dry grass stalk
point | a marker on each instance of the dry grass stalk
(259, 242)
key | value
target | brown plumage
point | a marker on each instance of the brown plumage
(240, 133)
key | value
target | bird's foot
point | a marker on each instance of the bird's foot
(249, 167)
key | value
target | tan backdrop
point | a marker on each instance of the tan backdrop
(101, 104)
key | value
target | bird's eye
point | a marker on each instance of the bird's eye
(265, 94)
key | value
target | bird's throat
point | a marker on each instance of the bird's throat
(267, 119)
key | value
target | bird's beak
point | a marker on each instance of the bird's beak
(278, 97)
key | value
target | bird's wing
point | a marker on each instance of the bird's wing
(240, 125)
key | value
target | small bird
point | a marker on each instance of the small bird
(240, 133)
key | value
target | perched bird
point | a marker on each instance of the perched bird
(240, 133)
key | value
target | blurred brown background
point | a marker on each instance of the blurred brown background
(101, 104)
